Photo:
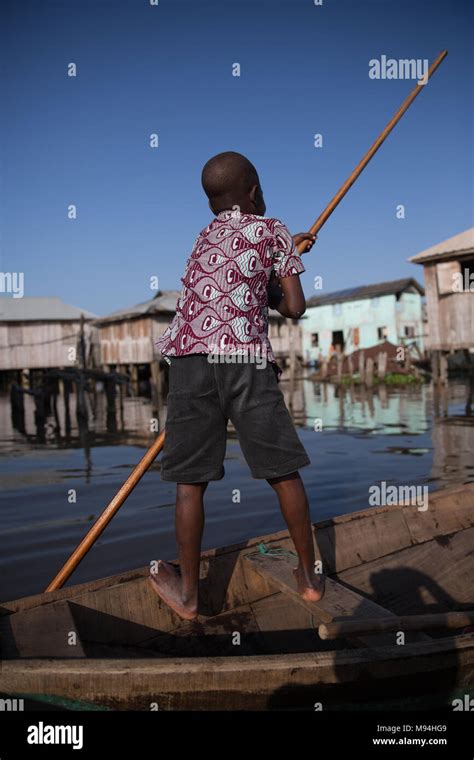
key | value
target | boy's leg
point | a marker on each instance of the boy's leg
(180, 590)
(295, 509)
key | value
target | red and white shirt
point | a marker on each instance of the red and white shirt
(223, 306)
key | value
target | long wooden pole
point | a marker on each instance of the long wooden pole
(155, 449)
(101, 523)
(324, 216)
(358, 626)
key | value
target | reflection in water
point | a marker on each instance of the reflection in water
(445, 412)
(377, 410)
(453, 448)
(129, 420)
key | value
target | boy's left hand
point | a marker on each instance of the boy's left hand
(304, 237)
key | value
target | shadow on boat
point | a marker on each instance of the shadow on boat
(403, 591)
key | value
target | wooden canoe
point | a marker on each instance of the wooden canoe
(255, 645)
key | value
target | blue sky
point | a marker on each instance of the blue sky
(168, 70)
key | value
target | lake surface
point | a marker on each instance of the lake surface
(409, 436)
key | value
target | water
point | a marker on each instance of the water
(52, 491)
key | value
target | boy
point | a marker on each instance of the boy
(221, 319)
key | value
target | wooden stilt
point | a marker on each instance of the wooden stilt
(443, 372)
(350, 367)
(369, 372)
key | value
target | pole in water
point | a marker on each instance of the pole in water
(103, 520)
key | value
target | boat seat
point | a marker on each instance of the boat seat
(338, 601)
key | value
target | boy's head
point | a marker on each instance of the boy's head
(229, 180)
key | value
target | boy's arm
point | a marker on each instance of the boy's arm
(285, 294)
(292, 302)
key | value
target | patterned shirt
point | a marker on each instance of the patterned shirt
(223, 306)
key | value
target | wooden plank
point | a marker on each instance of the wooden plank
(41, 632)
(286, 626)
(432, 305)
(448, 512)
(233, 633)
(279, 613)
(367, 536)
(338, 601)
(356, 626)
(445, 271)
(242, 682)
(435, 576)
(135, 602)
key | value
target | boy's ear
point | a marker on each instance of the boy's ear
(253, 193)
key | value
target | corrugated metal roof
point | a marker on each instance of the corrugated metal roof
(164, 302)
(39, 309)
(366, 291)
(462, 243)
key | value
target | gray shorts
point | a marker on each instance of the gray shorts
(202, 397)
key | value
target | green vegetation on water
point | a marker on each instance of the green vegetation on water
(392, 378)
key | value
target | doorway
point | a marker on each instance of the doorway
(338, 340)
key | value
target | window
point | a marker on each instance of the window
(382, 333)
(409, 331)
(315, 340)
(446, 273)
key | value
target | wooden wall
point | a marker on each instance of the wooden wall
(132, 341)
(450, 315)
(38, 345)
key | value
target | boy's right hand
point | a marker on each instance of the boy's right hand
(306, 238)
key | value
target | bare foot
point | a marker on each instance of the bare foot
(311, 588)
(168, 585)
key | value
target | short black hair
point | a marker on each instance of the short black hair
(226, 176)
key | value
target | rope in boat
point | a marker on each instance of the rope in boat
(277, 552)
